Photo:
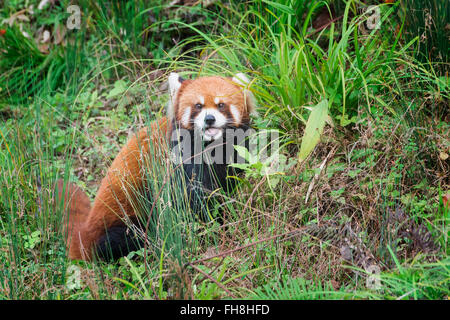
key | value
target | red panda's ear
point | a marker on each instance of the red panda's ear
(243, 81)
(174, 86)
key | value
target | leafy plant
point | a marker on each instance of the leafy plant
(260, 162)
(313, 129)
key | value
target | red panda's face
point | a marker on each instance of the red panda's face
(211, 104)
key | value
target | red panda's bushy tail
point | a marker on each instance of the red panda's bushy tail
(77, 206)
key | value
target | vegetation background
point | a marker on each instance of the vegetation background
(359, 96)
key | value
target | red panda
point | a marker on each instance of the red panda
(206, 106)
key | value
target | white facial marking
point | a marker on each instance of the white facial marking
(201, 99)
(216, 100)
(199, 120)
(236, 114)
(186, 116)
(216, 131)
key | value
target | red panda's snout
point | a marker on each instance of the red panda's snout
(210, 104)
(210, 121)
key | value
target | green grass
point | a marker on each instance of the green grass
(368, 193)
(427, 22)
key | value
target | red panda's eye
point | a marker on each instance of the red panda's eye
(221, 106)
(198, 106)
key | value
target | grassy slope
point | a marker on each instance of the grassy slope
(368, 196)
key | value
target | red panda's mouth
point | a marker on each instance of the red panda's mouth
(211, 131)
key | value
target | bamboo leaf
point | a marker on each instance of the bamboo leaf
(313, 129)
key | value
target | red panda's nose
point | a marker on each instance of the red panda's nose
(210, 119)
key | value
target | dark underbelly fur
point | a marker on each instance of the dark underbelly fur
(117, 242)
(200, 179)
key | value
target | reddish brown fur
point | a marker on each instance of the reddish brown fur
(211, 87)
(86, 224)
(76, 205)
(112, 202)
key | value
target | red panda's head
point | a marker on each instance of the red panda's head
(210, 104)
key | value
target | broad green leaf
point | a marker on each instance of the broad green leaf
(244, 153)
(120, 87)
(313, 129)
